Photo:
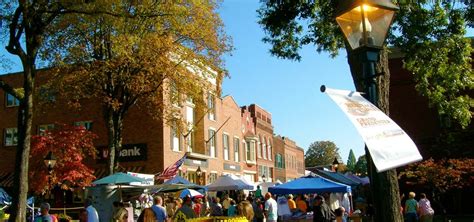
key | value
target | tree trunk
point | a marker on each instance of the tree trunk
(114, 121)
(384, 186)
(111, 138)
(25, 121)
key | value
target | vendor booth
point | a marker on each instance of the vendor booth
(309, 184)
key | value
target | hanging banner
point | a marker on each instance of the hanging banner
(388, 144)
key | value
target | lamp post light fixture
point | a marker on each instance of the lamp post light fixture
(264, 179)
(49, 161)
(335, 164)
(199, 174)
(365, 24)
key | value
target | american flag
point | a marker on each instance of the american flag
(172, 170)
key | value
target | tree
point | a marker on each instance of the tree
(442, 23)
(26, 26)
(146, 54)
(360, 167)
(351, 161)
(71, 145)
(321, 153)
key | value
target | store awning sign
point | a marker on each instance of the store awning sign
(388, 144)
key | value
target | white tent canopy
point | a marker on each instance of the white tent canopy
(226, 182)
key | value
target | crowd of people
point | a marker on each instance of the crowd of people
(420, 210)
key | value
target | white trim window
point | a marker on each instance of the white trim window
(236, 149)
(11, 137)
(11, 101)
(259, 148)
(269, 147)
(250, 150)
(86, 124)
(264, 149)
(175, 139)
(211, 106)
(212, 143)
(225, 145)
(44, 127)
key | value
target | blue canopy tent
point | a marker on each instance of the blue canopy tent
(177, 180)
(309, 184)
(337, 177)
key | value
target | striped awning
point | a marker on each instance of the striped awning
(102, 172)
(6, 179)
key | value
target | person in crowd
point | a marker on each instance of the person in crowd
(245, 209)
(45, 216)
(170, 207)
(121, 214)
(301, 203)
(197, 206)
(147, 215)
(411, 207)
(321, 211)
(216, 208)
(425, 210)
(258, 192)
(91, 212)
(257, 209)
(292, 203)
(158, 209)
(205, 208)
(271, 208)
(339, 213)
(186, 208)
(232, 211)
(226, 204)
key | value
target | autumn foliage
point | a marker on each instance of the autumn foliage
(70, 145)
(441, 175)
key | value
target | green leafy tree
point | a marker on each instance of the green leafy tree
(360, 167)
(351, 161)
(25, 26)
(429, 26)
(321, 153)
(136, 56)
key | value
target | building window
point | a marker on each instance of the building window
(212, 143)
(250, 150)
(190, 125)
(212, 177)
(264, 149)
(279, 161)
(211, 106)
(259, 148)
(12, 101)
(47, 95)
(43, 128)
(86, 124)
(236, 149)
(11, 136)
(269, 147)
(174, 95)
(225, 143)
(175, 141)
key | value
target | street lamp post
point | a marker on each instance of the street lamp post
(264, 178)
(50, 161)
(335, 164)
(199, 174)
(365, 24)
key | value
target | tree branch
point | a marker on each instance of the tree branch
(10, 90)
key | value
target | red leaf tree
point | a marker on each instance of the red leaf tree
(441, 175)
(70, 145)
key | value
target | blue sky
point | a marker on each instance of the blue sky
(289, 90)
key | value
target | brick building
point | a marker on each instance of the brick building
(226, 140)
(289, 159)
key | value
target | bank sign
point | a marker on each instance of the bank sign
(128, 153)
